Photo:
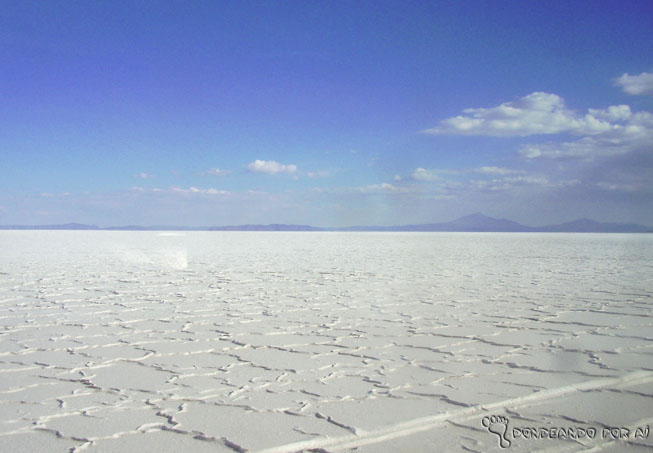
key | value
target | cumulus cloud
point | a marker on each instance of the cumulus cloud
(636, 84)
(217, 172)
(537, 113)
(602, 132)
(635, 131)
(612, 113)
(144, 175)
(270, 167)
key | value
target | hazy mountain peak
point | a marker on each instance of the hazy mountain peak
(480, 222)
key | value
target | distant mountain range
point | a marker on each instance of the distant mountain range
(470, 223)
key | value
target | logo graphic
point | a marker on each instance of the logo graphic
(498, 425)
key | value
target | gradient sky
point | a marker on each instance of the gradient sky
(326, 113)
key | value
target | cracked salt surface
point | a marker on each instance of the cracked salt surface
(281, 342)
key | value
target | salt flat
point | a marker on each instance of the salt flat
(281, 342)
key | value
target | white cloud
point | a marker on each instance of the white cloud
(493, 179)
(537, 113)
(531, 179)
(507, 183)
(397, 177)
(195, 190)
(381, 188)
(270, 167)
(423, 174)
(636, 84)
(636, 132)
(185, 191)
(497, 171)
(217, 172)
(533, 151)
(144, 175)
(612, 113)
(611, 131)
(387, 188)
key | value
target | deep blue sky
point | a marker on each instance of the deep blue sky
(325, 113)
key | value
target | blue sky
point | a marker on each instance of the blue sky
(325, 113)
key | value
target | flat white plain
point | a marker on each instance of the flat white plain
(230, 341)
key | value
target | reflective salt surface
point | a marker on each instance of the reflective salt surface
(228, 341)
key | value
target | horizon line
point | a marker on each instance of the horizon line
(476, 222)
